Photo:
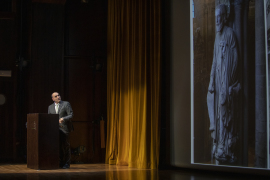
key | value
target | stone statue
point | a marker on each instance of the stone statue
(223, 91)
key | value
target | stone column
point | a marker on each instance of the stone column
(238, 24)
(260, 88)
(240, 27)
(245, 83)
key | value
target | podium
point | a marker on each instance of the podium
(43, 141)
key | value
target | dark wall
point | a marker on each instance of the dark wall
(8, 50)
(164, 157)
(86, 28)
(46, 68)
(63, 46)
(85, 73)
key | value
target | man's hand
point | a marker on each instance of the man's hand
(61, 120)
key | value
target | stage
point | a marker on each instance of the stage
(113, 172)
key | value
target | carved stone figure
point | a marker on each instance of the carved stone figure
(223, 91)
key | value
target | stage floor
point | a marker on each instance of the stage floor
(113, 172)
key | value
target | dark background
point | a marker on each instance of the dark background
(53, 46)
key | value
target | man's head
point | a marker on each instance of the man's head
(221, 15)
(56, 97)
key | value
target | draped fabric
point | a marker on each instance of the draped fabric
(133, 83)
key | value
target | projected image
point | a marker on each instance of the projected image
(223, 91)
(229, 83)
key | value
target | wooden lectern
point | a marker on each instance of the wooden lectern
(43, 141)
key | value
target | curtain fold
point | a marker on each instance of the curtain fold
(133, 83)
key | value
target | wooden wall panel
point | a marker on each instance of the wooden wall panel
(85, 87)
(6, 121)
(80, 87)
(8, 43)
(86, 91)
(6, 6)
(46, 72)
(86, 134)
(52, 33)
(50, 1)
(100, 93)
(86, 28)
(8, 50)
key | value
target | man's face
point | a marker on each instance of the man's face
(219, 20)
(56, 97)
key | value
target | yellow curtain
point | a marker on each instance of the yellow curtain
(133, 83)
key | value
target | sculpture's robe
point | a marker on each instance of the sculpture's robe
(221, 104)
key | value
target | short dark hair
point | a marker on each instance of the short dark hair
(53, 93)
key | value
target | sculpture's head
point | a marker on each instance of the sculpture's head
(221, 15)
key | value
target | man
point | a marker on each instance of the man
(223, 91)
(63, 108)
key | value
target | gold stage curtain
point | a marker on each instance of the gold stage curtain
(133, 83)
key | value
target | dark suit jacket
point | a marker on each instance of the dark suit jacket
(65, 112)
